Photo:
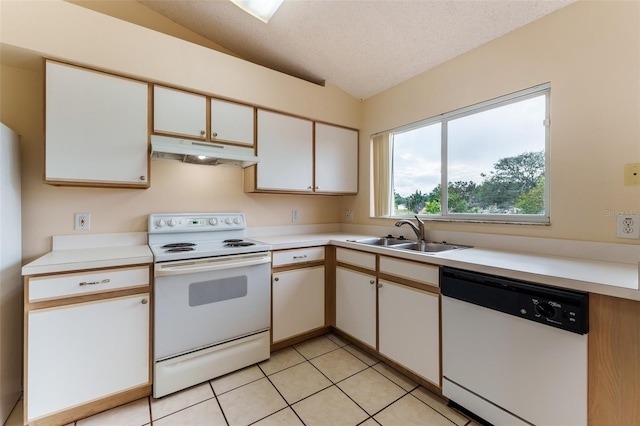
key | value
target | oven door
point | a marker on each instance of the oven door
(203, 302)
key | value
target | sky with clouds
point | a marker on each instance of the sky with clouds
(475, 143)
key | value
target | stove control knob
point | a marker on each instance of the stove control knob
(213, 222)
(236, 221)
(228, 221)
(160, 223)
(172, 222)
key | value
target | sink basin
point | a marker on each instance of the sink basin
(405, 244)
(429, 247)
(385, 241)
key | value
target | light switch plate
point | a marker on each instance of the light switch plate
(632, 174)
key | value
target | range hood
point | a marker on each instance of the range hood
(201, 152)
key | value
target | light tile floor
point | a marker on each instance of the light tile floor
(323, 381)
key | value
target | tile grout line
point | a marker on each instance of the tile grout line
(282, 396)
(224, 416)
(434, 409)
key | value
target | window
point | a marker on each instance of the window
(487, 162)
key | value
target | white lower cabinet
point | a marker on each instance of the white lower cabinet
(82, 352)
(409, 328)
(356, 304)
(298, 302)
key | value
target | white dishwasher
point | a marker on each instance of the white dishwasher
(514, 353)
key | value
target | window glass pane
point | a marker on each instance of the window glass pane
(496, 160)
(416, 170)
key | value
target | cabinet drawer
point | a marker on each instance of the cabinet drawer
(75, 284)
(414, 271)
(290, 257)
(356, 258)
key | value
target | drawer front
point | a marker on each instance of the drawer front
(291, 257)
(356, 258)
(76, 284)
(419, 272)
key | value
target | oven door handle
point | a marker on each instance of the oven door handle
(210, 264)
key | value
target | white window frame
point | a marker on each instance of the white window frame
(470, 110)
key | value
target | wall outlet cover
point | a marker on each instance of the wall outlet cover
(628, 226)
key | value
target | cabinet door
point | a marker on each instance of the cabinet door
(231, 122)
(82, 352)
(356, 305)
(179, 113)
(96, 127)
(336, 152)
(285, 151)
(298, 302)
(408, 326)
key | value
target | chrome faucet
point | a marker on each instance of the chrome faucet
(419, 230)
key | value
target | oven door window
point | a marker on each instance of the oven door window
(213, 291)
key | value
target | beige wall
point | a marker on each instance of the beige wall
(70, 32)
(137, 13)
(590, 52)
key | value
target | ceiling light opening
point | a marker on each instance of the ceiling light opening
(261, 9)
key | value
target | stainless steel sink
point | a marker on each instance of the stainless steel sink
(429, 247)
(385, 241)
(405, 244)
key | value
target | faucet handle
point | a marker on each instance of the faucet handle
(421, 222)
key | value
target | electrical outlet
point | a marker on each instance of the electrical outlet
(628, 226)
(349, 215)
(294, 215)
(83, 221)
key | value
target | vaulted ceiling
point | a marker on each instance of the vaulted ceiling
(361, 46)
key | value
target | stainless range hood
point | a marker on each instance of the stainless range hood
(201, 152)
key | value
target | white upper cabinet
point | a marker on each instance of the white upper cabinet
(296, 158)
(96, 128)
(232, 122)
(285, 148)
(179, 113)
(336, 156)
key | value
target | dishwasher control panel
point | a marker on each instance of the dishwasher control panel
(564, 309)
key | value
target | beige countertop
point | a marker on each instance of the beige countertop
(72, 253)
(595, 276)
(602, 277)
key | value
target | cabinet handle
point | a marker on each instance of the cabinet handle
(144, 301)
(379, 285)
(372, 282)
(317, 188)
(309, 187)
(105, 281)
(143, 178)
(214, 135)
(276, 279)
(202, 132)
(300, 257)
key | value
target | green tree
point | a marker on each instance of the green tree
(398, 199)
(532, 201)
(511, 177)
(462, 196)
(416, 201)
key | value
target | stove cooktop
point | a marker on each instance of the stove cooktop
(180, 236)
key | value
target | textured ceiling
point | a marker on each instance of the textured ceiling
(361, 46)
